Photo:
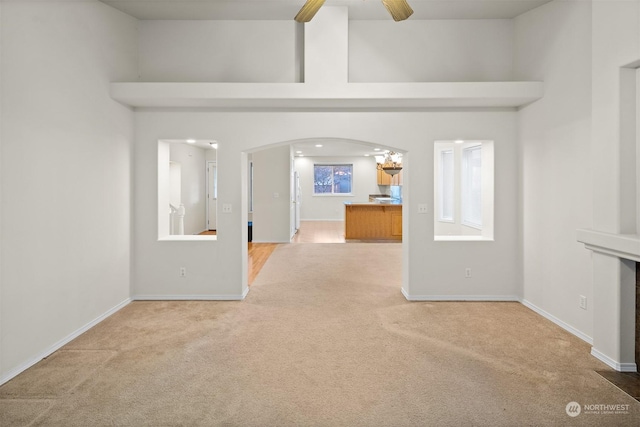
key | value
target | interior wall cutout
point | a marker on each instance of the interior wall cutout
(463, 190)
(280, 197)
(187, 189)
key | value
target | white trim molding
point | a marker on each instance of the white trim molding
(231, 297)
(453, 298)
(55, 347)
(584, 337)
(620, 367)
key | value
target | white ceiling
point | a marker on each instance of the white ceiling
(334, 147)
(331, 147)
(201, 143)
(287, 9)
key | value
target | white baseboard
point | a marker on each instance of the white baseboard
(453, 298)
(620, 367)
(524, 302)
(557, 321)
(15, 372)
(231, 297)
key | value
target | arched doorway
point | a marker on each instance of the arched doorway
(288, 202)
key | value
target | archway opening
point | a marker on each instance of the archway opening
(299, 191)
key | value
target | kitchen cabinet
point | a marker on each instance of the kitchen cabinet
(383, 178)
(373, 221)
(386, 179)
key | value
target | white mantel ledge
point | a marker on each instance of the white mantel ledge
(626, 246)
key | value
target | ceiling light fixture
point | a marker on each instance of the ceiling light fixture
(459, 141)
(391, 162)
(319, 145)
(399, 9)
(191, 141)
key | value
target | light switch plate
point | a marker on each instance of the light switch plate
(422, 208)
(226, 208)
(582, 302)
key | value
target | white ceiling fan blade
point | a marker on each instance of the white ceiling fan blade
(399, 9)
(309, 10)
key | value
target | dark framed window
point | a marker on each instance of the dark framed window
(332, 179)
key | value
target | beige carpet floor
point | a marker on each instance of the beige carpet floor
(324, 338)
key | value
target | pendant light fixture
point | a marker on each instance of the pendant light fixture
(390, 162)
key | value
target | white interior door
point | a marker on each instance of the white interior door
(212, 195)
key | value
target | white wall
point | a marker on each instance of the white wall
(553, 44)
(66, 172)
(219, 51)
(326, 46)
(614, 24)
(431, 51)
(329, 208)
(379, 51)
(2, 374)
(271, 195)
(432, 268)
(192, 160)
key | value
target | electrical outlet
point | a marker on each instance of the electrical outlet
(183, 271)
(226, 208)
(422, 208)
(467, 272)
(583, 302)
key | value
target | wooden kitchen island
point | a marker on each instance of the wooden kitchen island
(373, 221)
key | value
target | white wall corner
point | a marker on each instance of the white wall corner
(554, 319)
(55, 347)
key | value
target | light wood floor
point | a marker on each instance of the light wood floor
(310, 232)
(320, 232)
(259, 253)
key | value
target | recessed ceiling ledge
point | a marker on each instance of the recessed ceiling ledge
(351, 95)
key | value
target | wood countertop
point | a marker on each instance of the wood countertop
(392, 203)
